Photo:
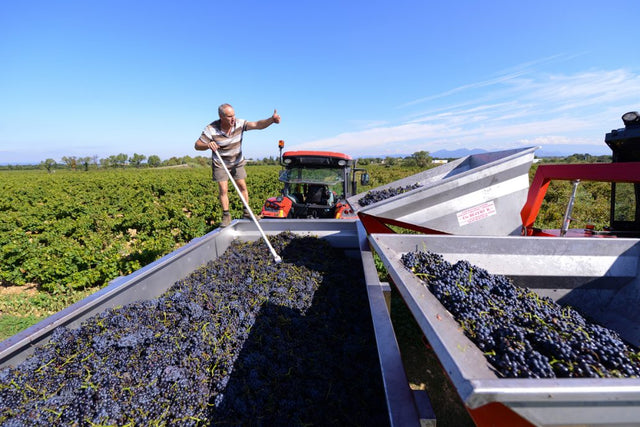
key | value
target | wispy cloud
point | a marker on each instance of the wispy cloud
(477, 85)
(502, 77)
(521, 107)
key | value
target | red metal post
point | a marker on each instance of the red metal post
(603, 172)
(375, 224)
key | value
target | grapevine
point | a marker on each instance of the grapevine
(374, 196)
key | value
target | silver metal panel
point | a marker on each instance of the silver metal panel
(339, 233)
(403, 409)
(576, 401)
(481, 194)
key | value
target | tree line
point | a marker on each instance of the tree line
(122, 160)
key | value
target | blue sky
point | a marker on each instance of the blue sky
(98, 78)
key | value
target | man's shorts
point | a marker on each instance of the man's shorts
(237, 172)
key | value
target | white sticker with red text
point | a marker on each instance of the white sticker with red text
(476, 213)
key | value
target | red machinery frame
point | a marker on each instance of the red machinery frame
(602, 172)
(375, 224)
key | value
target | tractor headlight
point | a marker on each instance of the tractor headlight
(631, 118)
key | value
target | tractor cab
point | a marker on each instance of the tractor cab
(316, 184)
(625, 195)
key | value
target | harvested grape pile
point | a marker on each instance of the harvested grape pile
(522, 334)
(241, 341)
(375, 196)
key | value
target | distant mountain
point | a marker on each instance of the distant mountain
(555, 150)
(559, 150)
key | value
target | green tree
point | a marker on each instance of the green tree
(85, 162)
(106, 162)
(420, 158)
(137, 159)
(203, 161)
(48, 164)
(173, 161)
(118, 160)
(154, 161)
(70, 161)
(268, 161)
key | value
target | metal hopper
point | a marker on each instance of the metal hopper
(599, 277)
(480, 194)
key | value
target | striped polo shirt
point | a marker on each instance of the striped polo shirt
(230, 144)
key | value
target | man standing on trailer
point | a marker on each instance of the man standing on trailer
(225, 135)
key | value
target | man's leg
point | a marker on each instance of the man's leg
(242, 186)
(223, 194)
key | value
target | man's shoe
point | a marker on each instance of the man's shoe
(246, 215)
(226, 220)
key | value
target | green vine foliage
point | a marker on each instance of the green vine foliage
(592, 204)
(82, 229)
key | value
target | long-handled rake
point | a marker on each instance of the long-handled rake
(276, 257)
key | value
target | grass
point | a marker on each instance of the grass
(423, 368)
(12, 324)
(26, 305)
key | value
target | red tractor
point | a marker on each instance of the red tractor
(316, 185)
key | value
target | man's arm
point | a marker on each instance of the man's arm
(261, 124)
(202, 145)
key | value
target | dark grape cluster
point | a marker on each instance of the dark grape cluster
(241, 341)
(523, 334)
(375, 196)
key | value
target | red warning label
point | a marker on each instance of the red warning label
(476, 213)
